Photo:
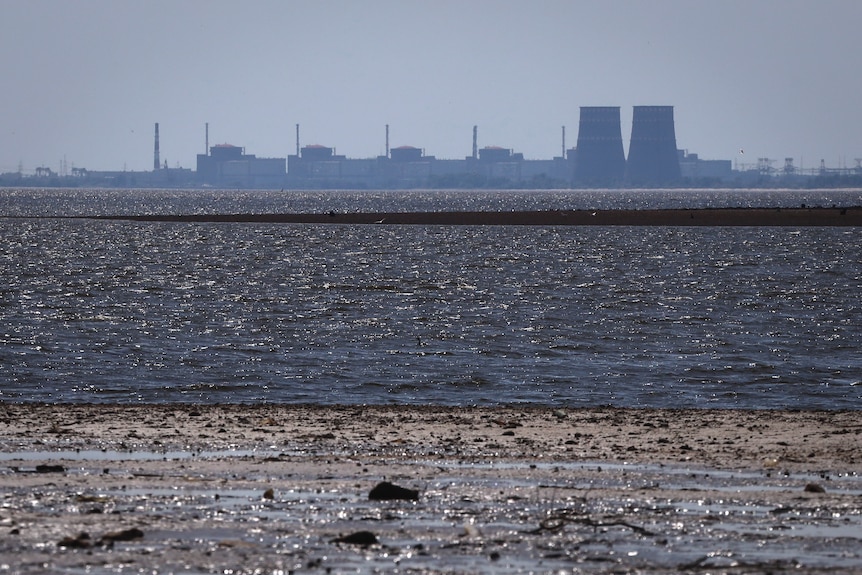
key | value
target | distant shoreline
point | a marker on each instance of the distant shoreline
(802, 216)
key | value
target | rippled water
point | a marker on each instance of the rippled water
(696, 317)
(76, 202)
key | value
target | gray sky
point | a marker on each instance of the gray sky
(87, 79)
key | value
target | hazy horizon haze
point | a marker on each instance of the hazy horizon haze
(87, 80)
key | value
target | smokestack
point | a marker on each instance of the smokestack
(156, 149)
(387, 140)
(601, 160)
(563, 154)
(207, 141)
(297, 140)
(475, 142)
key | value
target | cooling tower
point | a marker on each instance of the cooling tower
(653, 158)
(600, 157)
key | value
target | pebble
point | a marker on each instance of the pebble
(814, 488)
(358, 538)
(384, 491)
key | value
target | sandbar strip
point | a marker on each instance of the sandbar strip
(798, 217)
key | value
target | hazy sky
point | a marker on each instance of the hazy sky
(86, 80)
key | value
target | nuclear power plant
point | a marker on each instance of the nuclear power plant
(598, 160)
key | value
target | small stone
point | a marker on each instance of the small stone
(384, 491)
(358, 538)
(124, 535)
(269, 494)
(814, 488)
(80, 541)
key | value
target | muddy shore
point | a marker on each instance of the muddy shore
(802, 216)
(268, 489)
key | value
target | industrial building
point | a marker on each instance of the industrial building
(318, 166)
(229, 166)
(693, 169)
(597, 161)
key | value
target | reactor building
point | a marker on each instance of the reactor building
(229, 165)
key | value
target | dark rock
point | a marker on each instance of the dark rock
(124, 535)
(80, 541)
(358, 538)
(50, 469)
(814, 488)
(384, 491)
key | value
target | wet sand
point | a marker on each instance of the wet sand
(266, 489)
(802, 216)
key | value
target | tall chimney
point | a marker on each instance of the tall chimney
(207, 141)
(297, 140)
(563, 154)
(156, 149)
(475, 142)
(387, 140)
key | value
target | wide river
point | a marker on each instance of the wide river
(109, 311)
